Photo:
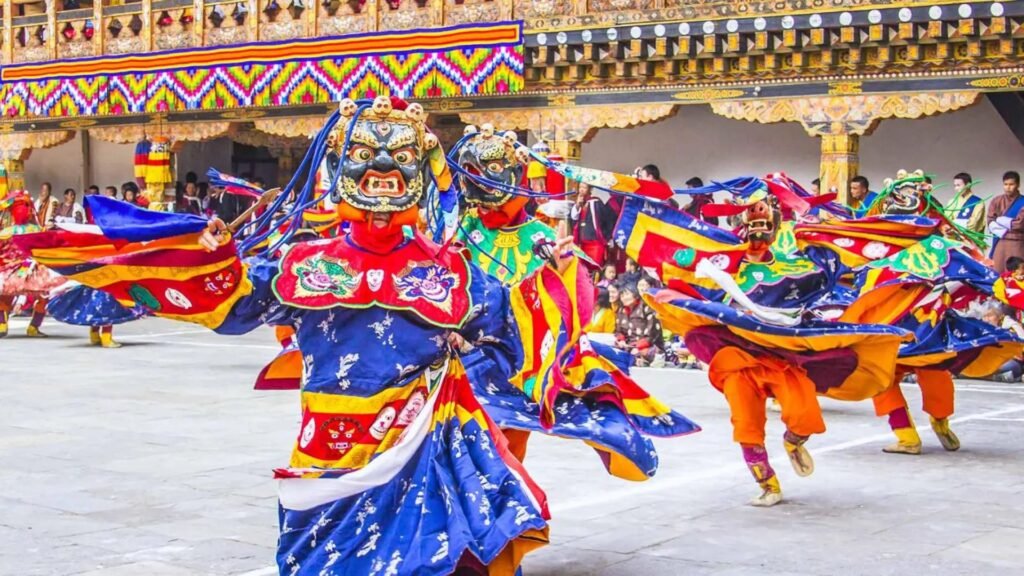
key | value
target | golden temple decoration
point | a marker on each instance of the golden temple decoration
(1014, 81)
(576, 124)
(446, 105)
(305, 126)
(191, 132)
(845, 88)
(856, 114)
(708, 94)
(841, 120)
(13, 145)
(278, 145)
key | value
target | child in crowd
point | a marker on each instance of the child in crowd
(608, 276)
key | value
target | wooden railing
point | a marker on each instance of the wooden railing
(36, 30)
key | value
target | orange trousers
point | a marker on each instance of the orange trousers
(936, 394)
(748, 381)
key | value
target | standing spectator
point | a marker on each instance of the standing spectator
(603, 320)
(861, 196)
(46, 205)
(226, 206)
(966, 209)
(94, 189)
(110, 192)
(69, 211)
(649, 172)
(699, 201)
(1006, 222)
(188, 202)
(637, 329)
(592, 224)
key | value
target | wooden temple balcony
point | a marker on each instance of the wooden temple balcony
(568, 41)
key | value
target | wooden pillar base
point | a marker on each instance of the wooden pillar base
(15, 174)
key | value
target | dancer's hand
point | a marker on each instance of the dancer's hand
(215, 235)
(564, 254)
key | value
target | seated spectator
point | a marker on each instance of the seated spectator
(632, 274)
(637, 329)
(603, 320)
(188, 202)
(614, 295)
(69, 211)
(645, 283)
(996, 315)
(110, 192)
(131, 194)
(608, 276)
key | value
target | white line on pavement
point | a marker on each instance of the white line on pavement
(675, 483)
(161, 334)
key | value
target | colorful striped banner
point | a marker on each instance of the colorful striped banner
(459, 61)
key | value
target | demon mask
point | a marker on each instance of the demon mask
(906, 193)
(384, 168)
(492, 157)
(761, 222)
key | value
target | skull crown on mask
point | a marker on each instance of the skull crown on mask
(384, 168)
(493, 157)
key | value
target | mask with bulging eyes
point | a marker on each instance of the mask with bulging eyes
(491, 157)
(384, 168)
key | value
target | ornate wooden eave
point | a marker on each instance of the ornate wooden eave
(895, 41)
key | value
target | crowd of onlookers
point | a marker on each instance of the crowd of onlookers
(190, 197)
(621, 313)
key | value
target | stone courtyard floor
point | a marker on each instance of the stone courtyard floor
(156, 459)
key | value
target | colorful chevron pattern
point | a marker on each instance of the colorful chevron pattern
(470, 61)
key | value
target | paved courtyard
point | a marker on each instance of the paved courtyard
(155, 460)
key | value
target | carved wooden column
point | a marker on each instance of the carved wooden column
(840, 162)
(840, 121)
(16, 170)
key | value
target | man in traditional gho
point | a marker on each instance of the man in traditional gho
(597, 402)
(396, 468)
(19, 274)
(966, 209)
(752, 307)
(917, 269)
